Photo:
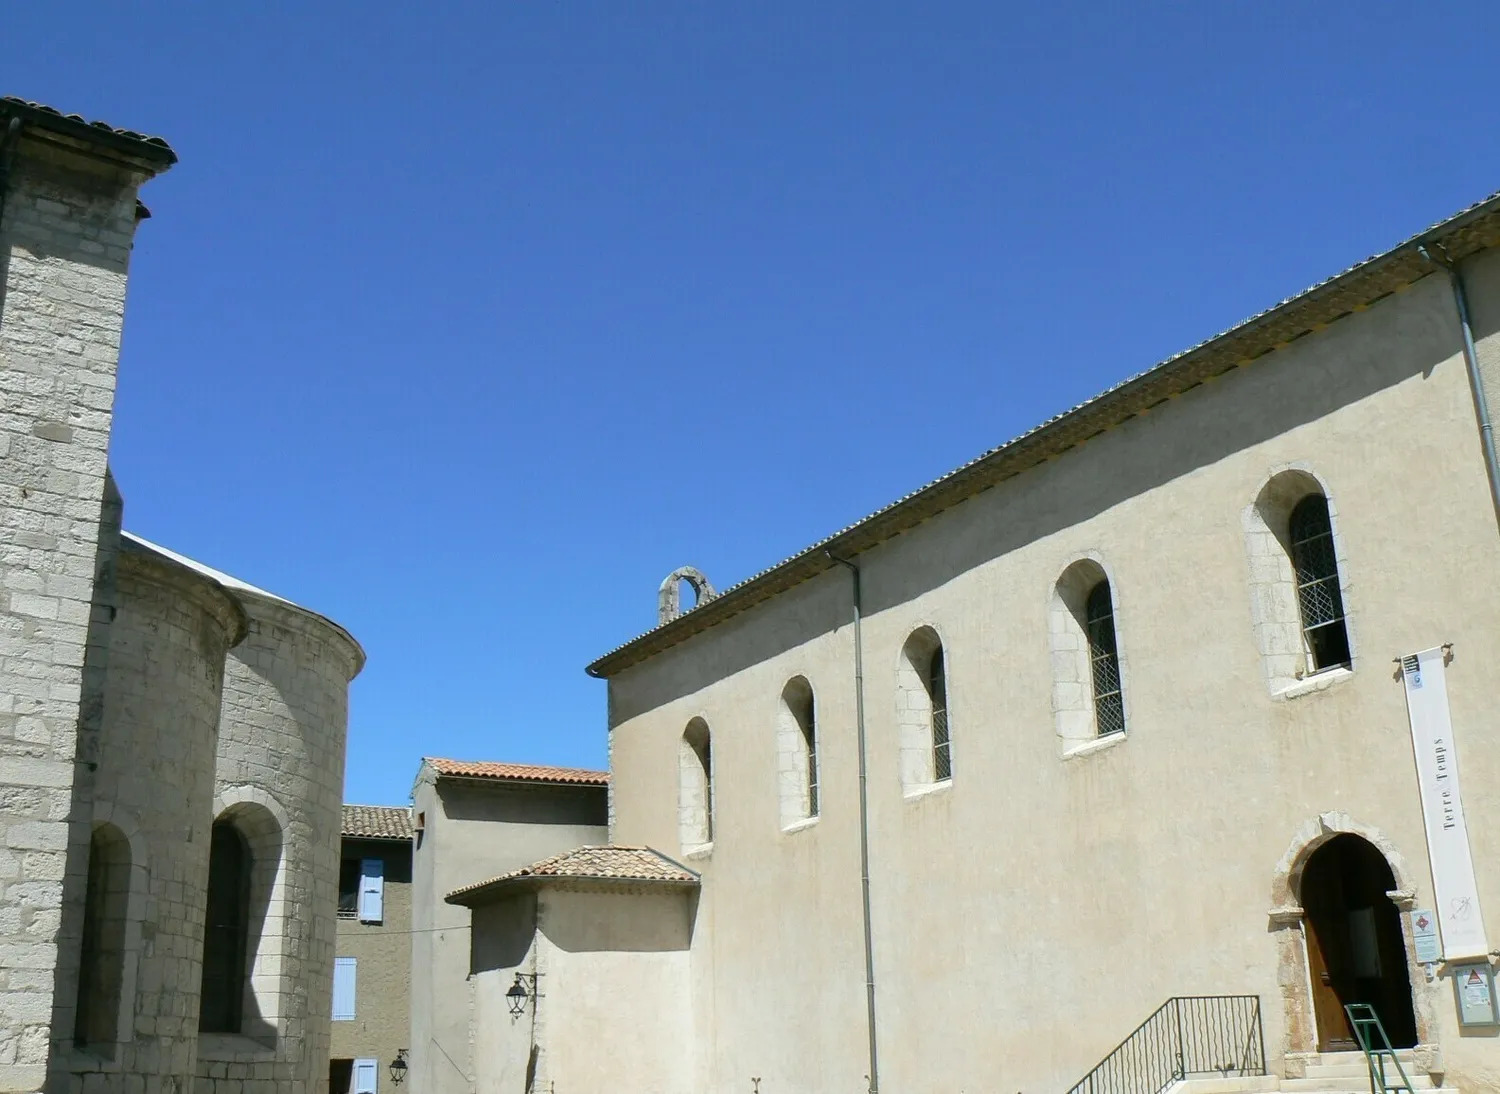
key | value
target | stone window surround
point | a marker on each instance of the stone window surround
(914, 709)
(1072, 674)
(1287, 928)
(792, 758)
(695, 786)
(86, 1059)
(263, 822)
(1275, 615)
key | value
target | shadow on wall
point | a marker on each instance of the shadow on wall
(1400, 339)
(604, 921)
(500, 933)
(523, 804)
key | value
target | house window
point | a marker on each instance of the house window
(937, 690)
(226, 931)
(1088, 664)
(926, 747)
(695, 785)
(1310, 533)
(349, 888)
(1104, 661)
(102, 956)
(797, 752)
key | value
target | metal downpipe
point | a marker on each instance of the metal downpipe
(864, 821)
(1471, 359)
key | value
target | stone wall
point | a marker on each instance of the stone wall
(68, 222)
(281, 759)
(166, 669)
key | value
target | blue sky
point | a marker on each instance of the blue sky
(465, 324)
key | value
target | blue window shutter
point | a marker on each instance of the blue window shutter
(366, 1072)
(371, 890)
(343, 989)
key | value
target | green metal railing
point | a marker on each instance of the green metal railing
(1187, 1035)
(1377, 1049)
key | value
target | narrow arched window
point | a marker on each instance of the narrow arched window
(797, 752)
(226, 931)
(937, 692)
(1104, 660)
(1310, 533)
(696, 785)
(102, 954)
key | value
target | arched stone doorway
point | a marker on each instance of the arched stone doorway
(1356, 952)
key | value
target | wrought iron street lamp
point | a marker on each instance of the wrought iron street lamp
(517, 995)
(398, 1068)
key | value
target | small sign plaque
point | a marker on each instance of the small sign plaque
(1424, 937)
(1474, 985)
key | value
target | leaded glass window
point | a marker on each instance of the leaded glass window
(1318, 595)
(805, 720)
(226, 931)
(1104, 661)
(937, 690)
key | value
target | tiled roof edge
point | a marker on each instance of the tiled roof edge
(155, 150)
(1464, 233)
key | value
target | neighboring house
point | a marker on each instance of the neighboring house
(1121, 712)
(372, 966)
(171, 738)
(474, 821)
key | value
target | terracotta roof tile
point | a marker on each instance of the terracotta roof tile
(639, 864)
(75, 125)
(483, 769)
(377, 821)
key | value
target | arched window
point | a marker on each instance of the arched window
(102, 954)
(696, 785)
(922, 712)
(1088, 671)
(1297, 604)
(1310, 534)
(797, 752)
(1104, 661)
(226, 931)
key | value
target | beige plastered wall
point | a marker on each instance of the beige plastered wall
(1028, 916)
(473, 829)
(612, 970)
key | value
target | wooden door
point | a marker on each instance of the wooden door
(1328, 957)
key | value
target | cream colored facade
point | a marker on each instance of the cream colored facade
(1027, 913)
(475, 820)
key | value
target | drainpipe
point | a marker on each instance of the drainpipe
(1471, 359)
(864, 822)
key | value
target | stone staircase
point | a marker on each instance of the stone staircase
(1325, 1073)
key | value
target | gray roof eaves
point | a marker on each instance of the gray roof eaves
(850, 540)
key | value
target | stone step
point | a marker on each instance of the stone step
(1360, 1084)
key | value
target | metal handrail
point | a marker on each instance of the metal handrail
(1187, 1035)
(1365, 1023)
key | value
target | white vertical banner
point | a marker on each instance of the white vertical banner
(1432, 741)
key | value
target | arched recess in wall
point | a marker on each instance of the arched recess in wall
(797, 752)
(105, 944)
(1298, 580)
(1088, 664)
(922, 712)
(695, 801)
(245, 919)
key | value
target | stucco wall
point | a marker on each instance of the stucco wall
(612, 967)
(1029, 915)
(160, 728)
(382, 1017)
(64, 249)
(474, 829)
(281, 759)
